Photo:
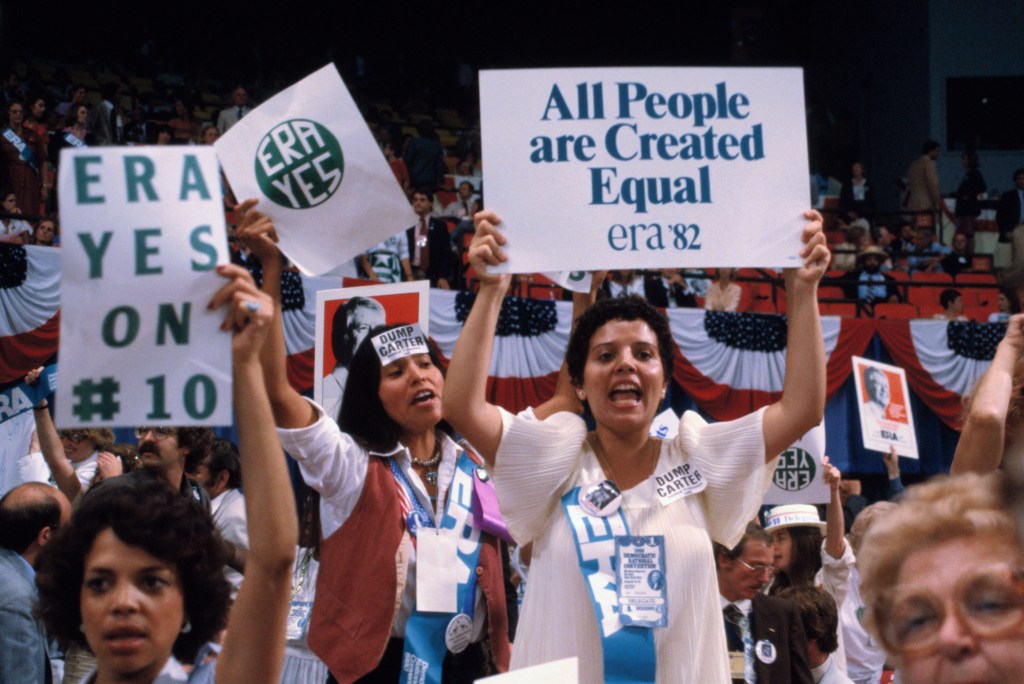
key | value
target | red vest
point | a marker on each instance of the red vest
(358, 590)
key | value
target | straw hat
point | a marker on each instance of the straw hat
(872, 251)
(794, 515)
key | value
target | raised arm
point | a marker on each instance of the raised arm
(254, 647)
(49, 443)
(465, 388)
(835, 522)
(983, 437)
(256, 232)
(803, 391)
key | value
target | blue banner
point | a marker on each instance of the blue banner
(22, 397)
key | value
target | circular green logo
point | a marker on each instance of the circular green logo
(795, 470)
(299, 164)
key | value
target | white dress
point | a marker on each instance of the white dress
(538, 461)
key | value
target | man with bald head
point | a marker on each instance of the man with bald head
(29, 515)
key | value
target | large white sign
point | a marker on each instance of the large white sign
(143, 232)
(799, 474)
(884, 402)
(631, 168)
(310, 159)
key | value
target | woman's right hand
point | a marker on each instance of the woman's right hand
(1015, 333)
(256, 232)
(485, 250)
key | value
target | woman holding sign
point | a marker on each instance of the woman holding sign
(613, 511)
(138, 571)
(408, 579)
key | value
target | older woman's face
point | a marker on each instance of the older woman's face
(959, 613)
(132, 608)
(878, 386)
(44, 232)
(623, 379)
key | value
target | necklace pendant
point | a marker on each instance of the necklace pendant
(431, 478)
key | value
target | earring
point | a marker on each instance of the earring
(81, 627)
(186, 628)
(581, 395)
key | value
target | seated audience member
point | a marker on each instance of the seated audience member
(868, 283)
(45, 234)
(958, 260)
(13, 229)
(1006, 305)
(928, 252)
(942, 583)
(667, 289)
(953, 306)
(994, 409)
(762, 630)
(845, 253)
(465, 203)
(820, 619)
(623, 284)
(723, 294)
(30, 515)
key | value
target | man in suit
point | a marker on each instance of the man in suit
(430, 246)
(922, 192)
(766, 638)
(1010, 217)
(229, 116)
(29, 514)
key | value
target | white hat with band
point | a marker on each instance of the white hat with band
(794, 515)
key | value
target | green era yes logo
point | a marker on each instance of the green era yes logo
(299, 164)
(795, 470)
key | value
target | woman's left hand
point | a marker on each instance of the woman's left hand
(833, 478)
(249, 311)
(815, 251)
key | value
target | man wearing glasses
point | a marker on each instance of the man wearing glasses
(765, 636)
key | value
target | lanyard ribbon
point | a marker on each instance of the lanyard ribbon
(24, 151)
(629, 654)
(425, 633)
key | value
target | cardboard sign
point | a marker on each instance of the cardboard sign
(884, 402)
(144, 231)
(345, 316)
(799, 475)
(639, 168)
(310, 159)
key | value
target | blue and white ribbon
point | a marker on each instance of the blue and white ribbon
(629, 654)
(24, 151)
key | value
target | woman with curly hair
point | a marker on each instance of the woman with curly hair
(591, 501)
(138, 570)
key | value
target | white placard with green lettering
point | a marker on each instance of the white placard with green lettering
(798, 473)
(633, 168)
(312, 162)
(143, 232)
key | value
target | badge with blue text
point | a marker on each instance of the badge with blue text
(640, 585)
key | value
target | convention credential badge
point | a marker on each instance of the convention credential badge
(640, 581)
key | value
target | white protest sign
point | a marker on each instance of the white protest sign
(310, 159)
(564, 671)
(884, 402)
(638, 168)
(799, 475)
(143, 232)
